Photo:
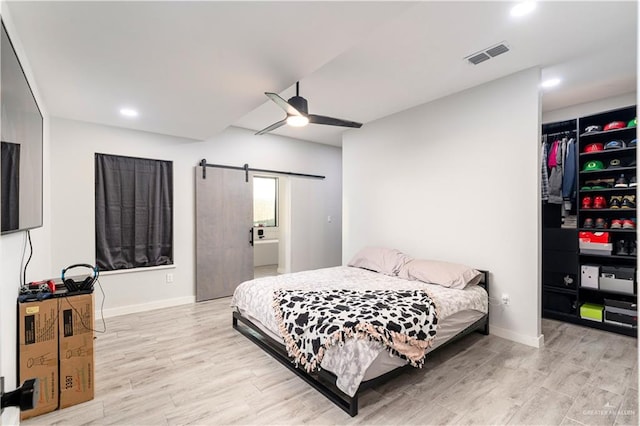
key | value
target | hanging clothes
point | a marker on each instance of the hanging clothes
(544, 174)
(555, 179)
(569, 176)
(553, 155)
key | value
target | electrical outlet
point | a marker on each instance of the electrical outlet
(169, 278)
(505, 299)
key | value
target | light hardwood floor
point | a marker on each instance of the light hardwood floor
(186, 365)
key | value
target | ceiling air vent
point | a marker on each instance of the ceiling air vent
(480, 57)
(488, 53)
(497, 50)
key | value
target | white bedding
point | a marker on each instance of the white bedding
(350, 361)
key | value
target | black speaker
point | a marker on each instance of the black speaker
(86, 284)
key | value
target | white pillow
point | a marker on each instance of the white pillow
(446, 274)
(379, 259)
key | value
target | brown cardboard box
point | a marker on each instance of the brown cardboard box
(38, 351)
(76, 349)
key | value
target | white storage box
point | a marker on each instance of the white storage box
(589, 276)
(596, 248)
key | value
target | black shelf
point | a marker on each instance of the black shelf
(629, 331)
(620, 231)
(608, 210)
(575, 319)
(604, 171)
(562, 290)
(631, 189)
(609, 152)
(610, 256)
(615, 133)
(598, 290)
(563, 316)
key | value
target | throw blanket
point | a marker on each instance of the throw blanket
(403, 320)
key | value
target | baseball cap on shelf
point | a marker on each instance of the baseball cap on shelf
(589, 129)
(615, 162)
(633, 123)
(617, 144)
(633, 142)
(593, 165)
(615, 125)
(594, 147)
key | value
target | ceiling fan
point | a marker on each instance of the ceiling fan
(298, 114)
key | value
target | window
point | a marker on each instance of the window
(134, 212)
(265, 201)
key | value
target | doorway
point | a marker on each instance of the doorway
(269, 226)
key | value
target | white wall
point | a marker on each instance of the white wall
(72, 179)
(589, 108)
(456, 179)
(11, 245)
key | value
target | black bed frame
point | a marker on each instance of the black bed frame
(324, 381)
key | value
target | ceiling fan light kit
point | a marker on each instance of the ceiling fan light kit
(297, 120)
(297, 110)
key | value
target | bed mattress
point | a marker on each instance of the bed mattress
(359, 359)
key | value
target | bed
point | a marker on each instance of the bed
(349, 366)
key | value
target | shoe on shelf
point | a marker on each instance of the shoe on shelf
(628, 224)
(588, 223)
(621, 248)
(633, 248)
(599, 202)
(615, 202)
(605, 183)
(601, 223)
(616, 224)
(633, 182)
(622, 182)
(586, 202)
(628, 202)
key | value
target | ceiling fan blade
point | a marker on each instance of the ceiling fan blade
(286, 106)
(272, 127)
(321, 119)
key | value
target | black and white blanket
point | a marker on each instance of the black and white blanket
(404, 321)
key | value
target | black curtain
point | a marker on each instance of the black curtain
(134, 212)
(10, 166)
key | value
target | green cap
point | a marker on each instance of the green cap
(633, 123)
(593, 165)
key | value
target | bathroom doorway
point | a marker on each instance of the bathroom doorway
(269, 224)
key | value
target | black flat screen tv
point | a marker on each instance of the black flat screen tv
(21, 145)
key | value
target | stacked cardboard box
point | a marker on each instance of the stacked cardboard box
(38, 351)
(76, 349)
(56, 346)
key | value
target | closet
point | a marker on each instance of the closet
(589, 251)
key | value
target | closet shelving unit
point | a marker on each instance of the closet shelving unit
(628, 156)
(562, 293)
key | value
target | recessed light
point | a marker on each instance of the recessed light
(552, 82)
(523, 8)
(128, 112)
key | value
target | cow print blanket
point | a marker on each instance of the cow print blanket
(312, 321)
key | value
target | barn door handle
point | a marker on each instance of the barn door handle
(251, 237)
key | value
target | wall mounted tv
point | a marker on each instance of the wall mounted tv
(21, 153)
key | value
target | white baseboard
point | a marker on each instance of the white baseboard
(536, 342)
(143, 307)
(10, 417)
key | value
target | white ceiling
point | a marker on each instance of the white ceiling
(194, 68)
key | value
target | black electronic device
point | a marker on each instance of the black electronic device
(25, 397)
(85, 284)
